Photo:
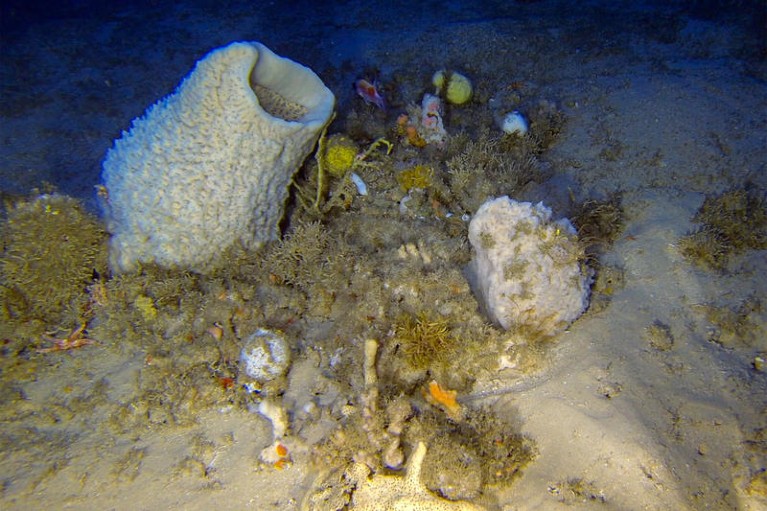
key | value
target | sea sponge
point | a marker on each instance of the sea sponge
(265, 356)
(340, 153)
(527, 270)
(208, 167)
(432, 126)
(457, 87)
(439, 78)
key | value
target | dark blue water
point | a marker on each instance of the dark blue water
(73, 74)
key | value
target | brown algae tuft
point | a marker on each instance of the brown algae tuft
(599, 223)
(731, 223)
(425, 340)
(659, 336)
(736, 324)
(419, 176)
(53, 250)
(295, 259)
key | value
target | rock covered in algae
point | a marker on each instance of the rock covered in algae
(395, 493)
(528, 270)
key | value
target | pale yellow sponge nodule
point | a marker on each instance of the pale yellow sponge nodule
(340, 155)
(457, 87)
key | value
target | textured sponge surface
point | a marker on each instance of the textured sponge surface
(209, 165)
(527, 269)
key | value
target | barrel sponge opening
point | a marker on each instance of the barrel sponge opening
(283, 93)
(209, 166)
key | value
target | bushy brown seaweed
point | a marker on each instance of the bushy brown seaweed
(53, 250)
(730, 223)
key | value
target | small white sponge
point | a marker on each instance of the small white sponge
(209, 166)
(527, 270)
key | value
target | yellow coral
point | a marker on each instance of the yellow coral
(340, 155)
(384, 492)
(419, 176)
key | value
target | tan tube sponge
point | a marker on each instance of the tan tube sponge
(209, 166)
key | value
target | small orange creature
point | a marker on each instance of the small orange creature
(370, 92)
(216, 331)
(445, 399)
(402, 121)
(226, 382)
(284, 460)
(74, 340)
(414, 138)
(407, 130)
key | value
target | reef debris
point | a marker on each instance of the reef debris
(387, 492)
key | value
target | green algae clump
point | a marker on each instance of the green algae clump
(53, 250)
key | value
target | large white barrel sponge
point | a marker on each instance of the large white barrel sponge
(209, 166)
(527, 270)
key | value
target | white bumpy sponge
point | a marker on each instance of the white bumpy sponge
(209, 166)
(527, 271)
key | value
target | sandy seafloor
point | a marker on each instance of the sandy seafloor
(664, 103)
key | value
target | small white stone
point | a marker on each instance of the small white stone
(514, 123)
(403, 204)
(265, 355)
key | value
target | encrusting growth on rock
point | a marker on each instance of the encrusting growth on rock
(386, 493)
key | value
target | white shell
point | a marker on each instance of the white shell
(514, 123)
(403, 204)
(362, 188)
